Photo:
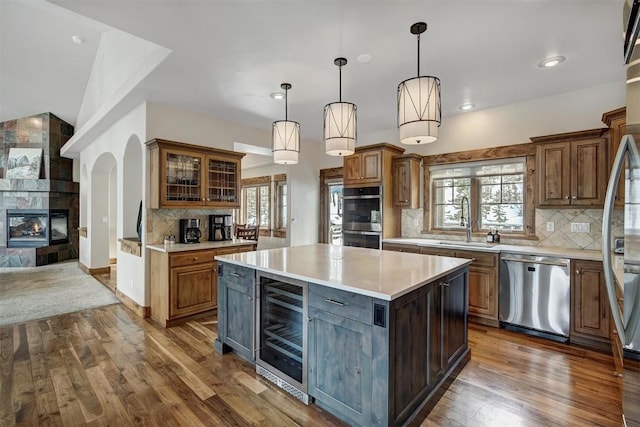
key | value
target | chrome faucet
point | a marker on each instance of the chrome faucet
(467, 225)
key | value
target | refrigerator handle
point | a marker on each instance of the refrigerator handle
(625, 332)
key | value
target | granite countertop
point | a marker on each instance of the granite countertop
(385, 275)
(183, 247)
(583, 254)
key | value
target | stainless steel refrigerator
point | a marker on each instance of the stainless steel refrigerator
(622, 275)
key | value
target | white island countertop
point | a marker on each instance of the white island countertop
(385, 275)
(183, 247)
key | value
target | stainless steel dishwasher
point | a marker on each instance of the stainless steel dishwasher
(535, 295)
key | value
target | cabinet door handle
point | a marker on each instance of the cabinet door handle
(445, 284)
(236, 274)
(249, 298)
(309, 319)
(330, 301)
(617, 374)
(574, 197)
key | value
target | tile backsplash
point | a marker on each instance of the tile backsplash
(165, 222)
(561, 237)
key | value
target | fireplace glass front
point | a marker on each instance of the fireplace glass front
(37, 227)
(27, 228)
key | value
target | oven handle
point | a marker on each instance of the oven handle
(367, 233)
(370, 196)
(529, 261)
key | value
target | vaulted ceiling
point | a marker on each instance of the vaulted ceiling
(229, 56)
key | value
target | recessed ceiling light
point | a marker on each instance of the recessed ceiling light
(77, 39)
(364, 58)
(277, 95)
(467, 106)
(551, 62)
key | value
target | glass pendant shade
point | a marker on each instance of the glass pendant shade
(340, 128)
(286, 142)
(419, 110)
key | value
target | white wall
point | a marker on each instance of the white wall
(131, 269)
(516, 123)
(113, 213)
(121, 61)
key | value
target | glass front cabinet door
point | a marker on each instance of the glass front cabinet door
(187, 176)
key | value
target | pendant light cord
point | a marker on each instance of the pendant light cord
(286, 105)
(418, 55)
(340, 82)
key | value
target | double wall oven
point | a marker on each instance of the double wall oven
(362, 217)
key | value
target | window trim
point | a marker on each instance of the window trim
(527, 150)
(279, 181)
(260, 181)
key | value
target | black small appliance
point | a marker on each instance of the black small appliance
(190, 230)
(220, 227)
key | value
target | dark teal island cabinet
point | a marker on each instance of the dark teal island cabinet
(381, 332)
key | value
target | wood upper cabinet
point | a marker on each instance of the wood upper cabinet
(572, 169)
(369, 165)
(616, 121)
(406, 181)
(188, 176)
(589, 304)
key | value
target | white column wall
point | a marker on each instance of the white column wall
(131, 268)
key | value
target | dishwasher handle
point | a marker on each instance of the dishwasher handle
(529, 261)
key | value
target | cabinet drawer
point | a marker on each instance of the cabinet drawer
(343, 303)
(398, 247)
(191, 257)
(234, 250)
(236, 274)
(437, 251)
(480, 258)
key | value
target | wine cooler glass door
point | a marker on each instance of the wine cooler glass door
(282, 336)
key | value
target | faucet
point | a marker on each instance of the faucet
(467, 225)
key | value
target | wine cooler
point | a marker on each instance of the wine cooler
(282, 333)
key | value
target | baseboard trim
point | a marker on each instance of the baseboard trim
(99, 270)
(484, 321)
(138, 309)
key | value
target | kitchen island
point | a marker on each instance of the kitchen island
(372, 336)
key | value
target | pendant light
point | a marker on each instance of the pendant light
(285, 136)
(419, 103)
(340, 123)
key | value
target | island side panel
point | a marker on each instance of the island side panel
(428, 340)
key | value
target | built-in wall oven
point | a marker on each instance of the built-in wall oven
(282, 334)
(362, 217)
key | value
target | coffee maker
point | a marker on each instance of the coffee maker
(220, 227)
(190, 230)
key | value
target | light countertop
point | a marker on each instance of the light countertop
(385, 275)
(584, 254)
(183, 247)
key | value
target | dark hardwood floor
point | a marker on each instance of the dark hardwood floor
(106, 366)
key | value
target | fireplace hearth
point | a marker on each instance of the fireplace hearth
(29, 228)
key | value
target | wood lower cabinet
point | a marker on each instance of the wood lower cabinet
(398, 247)
(339, 374)
(589, 306)
(572, 169)
(483, 282)
(236, 313)
(185, 283)
(374, 362)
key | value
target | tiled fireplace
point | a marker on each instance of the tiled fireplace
(38, 216)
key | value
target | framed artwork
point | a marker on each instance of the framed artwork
(24, 163)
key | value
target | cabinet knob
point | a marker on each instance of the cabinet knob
(445, 284)
(574, 197)
(195, 258)
(577, 272)
(249, 297)
(567, 197)
(617, 374)
(309, 319)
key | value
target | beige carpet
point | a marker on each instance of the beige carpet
(37, 292)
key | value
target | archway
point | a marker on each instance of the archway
(101, 218)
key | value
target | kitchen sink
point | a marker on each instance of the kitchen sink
(472, 244)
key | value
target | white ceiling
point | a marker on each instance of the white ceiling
(228, 56)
